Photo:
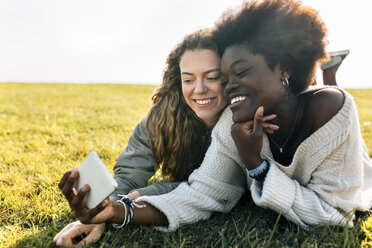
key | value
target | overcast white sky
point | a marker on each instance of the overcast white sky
(121, 41)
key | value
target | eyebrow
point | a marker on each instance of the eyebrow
(237, 62)
(212, 70)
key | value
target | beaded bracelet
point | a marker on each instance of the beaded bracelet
(259, 173)
(127, 217)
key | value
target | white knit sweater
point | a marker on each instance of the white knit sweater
(330, 175)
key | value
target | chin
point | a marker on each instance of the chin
(237, 117)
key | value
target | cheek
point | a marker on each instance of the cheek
(221, 95)
(217, 90)
(186, 91)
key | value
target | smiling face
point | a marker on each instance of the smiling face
(201, 84)
(251, 83)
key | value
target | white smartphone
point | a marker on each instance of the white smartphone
(94, 173)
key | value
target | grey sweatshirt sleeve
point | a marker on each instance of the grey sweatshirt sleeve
(135, 164)
(158, 188)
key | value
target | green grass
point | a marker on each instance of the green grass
(48, 129)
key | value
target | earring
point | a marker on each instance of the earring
(285, 81)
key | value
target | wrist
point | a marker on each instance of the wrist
(119, 213)
(128, 206)
(260, 172)
(253, 163)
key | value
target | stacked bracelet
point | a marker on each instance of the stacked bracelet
(259, 173)
(127, 217)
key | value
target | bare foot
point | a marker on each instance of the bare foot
(330, 67)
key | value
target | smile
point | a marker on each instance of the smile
(203, 101)
(237, 99)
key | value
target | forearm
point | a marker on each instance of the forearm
(147, 215)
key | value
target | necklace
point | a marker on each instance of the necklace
(290, 134)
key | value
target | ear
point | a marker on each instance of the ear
(284, 72)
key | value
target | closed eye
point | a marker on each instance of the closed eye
(242, 73)
(213, 78)
(187, 81)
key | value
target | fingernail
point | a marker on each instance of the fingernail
(86, 187)
(261, 110)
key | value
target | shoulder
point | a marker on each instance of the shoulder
(140, 133)
(323, 104)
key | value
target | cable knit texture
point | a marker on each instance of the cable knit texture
(329, 177)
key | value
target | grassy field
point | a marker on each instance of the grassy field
(48, 129)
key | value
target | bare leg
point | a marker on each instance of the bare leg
(330, 68)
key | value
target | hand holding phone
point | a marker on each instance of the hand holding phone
(94, 173)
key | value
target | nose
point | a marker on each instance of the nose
(200, 87)
(232, 84)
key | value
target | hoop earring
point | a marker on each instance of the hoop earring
(285, 82)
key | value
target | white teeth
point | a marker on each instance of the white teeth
(237, 99)
(206, 101)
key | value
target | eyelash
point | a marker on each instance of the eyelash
(242, 72)
(187, 81)
(213, 78)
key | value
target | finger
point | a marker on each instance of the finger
(64, 179)
(242, 127)
(269, 131)
(93, 235)
(65, 229)
(270, 127)
(64, 241)
(77, 202)
(58, 235)
(67, 239)
(67, 188)
(257, 127)
(133, 195)
(248, 126)
(269, 117)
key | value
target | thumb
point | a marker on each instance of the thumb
(257, 127)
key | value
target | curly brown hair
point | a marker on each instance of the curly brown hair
(177, 136)
(284, 31)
